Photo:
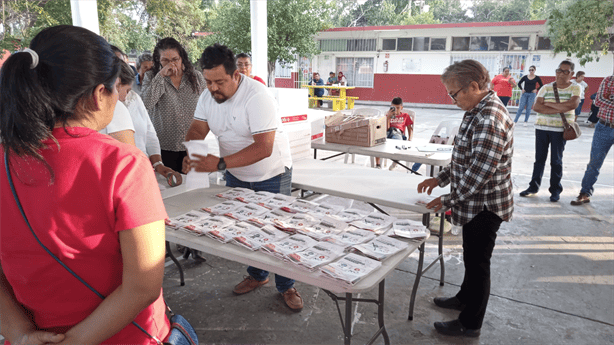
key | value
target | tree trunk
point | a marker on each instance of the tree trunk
(271, 76)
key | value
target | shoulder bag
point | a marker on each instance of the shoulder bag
(572, 130)
(182, 333)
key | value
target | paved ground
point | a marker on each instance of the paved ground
(552, 275)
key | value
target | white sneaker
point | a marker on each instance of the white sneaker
(392, 166)
(524, 124)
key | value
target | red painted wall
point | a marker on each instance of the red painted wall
(421, 88)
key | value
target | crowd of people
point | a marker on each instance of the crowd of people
(107, 219)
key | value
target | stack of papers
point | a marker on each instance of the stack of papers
(229, 233)
(205, 225)
(409, 229)
(290, 245)
(377, 222)
(269, 218)
(255, 239)
(327, 209)
(352, 214)
(381, 247)
(278, 201)
(350, 269)
(234, 193)
(256, 197)
(224, 207)
(324, 229)
(303, 206)
(185, 219)
(247, 211)
(351, 237)
(316, 256)
(297, 221)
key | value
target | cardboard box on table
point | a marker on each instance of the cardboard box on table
(355, 129)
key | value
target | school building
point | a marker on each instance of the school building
(384, 62)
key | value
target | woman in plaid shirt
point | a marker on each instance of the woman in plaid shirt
(480, 188)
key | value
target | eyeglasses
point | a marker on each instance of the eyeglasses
(453, 96)
(563, 71)
(241, 65)
(174, 60)
(531, 70)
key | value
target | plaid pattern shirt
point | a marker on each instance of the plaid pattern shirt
(605, 99)
(480, 172)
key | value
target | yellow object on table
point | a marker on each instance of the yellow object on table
(339, 102)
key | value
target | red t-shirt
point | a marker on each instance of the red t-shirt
(101, 187)
(502, 85)
(401, 121)
(259, 79)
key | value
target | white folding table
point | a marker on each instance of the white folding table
(194, 199)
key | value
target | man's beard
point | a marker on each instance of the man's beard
(219, 101)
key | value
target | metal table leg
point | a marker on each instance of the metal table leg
(414, 291)
(169, 253)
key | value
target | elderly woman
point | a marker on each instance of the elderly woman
(145, 137)
(170, 93)
(480, 182)
(503, 85)
(85, 196)
(144, 63)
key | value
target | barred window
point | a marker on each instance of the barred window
(357, 71)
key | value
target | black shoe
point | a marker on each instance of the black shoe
(197, 257)
(555, 197)
(455, 328)
(449, 303)
(526, 193)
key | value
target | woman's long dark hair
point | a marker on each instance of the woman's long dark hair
(73, 61)
(171, 43)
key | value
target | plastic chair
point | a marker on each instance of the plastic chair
(451, 129)
(369, 112)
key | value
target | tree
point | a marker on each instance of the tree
(292, 25)
(582, 28)
(500, 10)
(447, 11)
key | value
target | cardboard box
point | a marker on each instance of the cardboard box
(355, 130)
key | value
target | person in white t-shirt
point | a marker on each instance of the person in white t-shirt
(254, 149)
(120, 127)
(580, 81)
(145, 137)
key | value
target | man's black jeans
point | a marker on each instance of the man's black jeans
(479, 237)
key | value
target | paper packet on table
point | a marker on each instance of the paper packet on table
(269, 218)
(224, 207)
(255, 239)
(352, 214)
(278, 201)
(227, 234)
(304, 206)
(297, 221)
(185, 219)
(326, 209)
(234, 193)
(289, 245)
(195, 179)
(424, 199)
(351, 237)
(381, 247)
(246, 212)
(350, 269)
(377, 222)
(205, 225)
(327, 227)
(408, 229)
(320, 254)
(256, 197)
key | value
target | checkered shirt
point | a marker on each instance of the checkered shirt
(480, 171)
(605, 99)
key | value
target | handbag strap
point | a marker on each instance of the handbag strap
(23, 214)
(556, 97)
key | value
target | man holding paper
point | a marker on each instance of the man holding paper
(254, 149)
(480, 182)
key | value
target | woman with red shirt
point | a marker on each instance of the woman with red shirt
(503, 85)
(91, 200)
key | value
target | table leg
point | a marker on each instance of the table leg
(169, 253)
(414, 291)
(380, 313)
(315, 153)
(347, 327)
(440, 248)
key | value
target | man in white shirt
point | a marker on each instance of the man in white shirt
(580, 81)
(254, 149)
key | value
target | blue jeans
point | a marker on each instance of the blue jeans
(526, 102)
(579, 108)
(544, 139)
(603, 139)
(282, 184)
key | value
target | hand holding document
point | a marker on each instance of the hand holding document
(195, 179)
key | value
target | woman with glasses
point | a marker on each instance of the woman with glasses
(503, 85)
(170, 93)
(244, 65)
(529, 84)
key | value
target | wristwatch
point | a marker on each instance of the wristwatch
(221, 165)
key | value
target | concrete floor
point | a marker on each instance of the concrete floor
(552, 274)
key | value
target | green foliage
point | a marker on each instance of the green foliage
(447, 11)
(581, 29)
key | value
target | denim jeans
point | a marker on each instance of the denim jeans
(579, 108)
(479, 237)
(526, 102)
(544, 139)
(282, 184)
(603, 139)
